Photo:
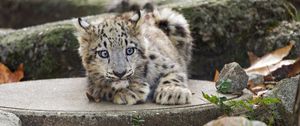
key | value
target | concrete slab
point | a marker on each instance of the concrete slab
(63, 102)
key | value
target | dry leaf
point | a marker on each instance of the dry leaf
(252, 58)
(6, 76)
(284, 71)
(271, 58)
(295, 69)
(216, 77)
(258, 88)
(269, 69)
(255, 88)
(17, 75)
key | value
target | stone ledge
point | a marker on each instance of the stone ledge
(63, 102)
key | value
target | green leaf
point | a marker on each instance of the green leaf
(265, 101)
(212, 99)
(137, 120)
(224, 86)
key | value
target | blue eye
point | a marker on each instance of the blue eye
(103, 54)
(129, 51)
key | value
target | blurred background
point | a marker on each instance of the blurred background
(39, 33)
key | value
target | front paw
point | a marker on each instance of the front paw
(172, 95)
(125, 96)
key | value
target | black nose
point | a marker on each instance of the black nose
(119, 74)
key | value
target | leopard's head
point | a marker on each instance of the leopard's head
(111, 49)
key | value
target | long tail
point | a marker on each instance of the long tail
(177, 29)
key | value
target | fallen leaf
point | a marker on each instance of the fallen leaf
(269, 69)
(295, 69)
(6, 76)
(252, 58)
(257, 88)
(284, 71)
(271, 58)
(17, 75)
(216, 77)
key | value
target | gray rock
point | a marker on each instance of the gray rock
(235, 121)
(286, 90)
(9, 119)
(297, 108)
(234, 74)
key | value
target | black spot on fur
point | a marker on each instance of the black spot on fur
(156, 65)
(159, 96)
(124, 34)
(172, 66)
(166, 82)
(102, 30)
(105, 44)
(104, 35)
(177, 85)
(91, 98)
(180, 31)
(122, 28)
(180, 44)
(163, 25)
(126, 42)
(109, 95)
(144, 84)
(142, 92)
(133, 96)
(167, 74)
(118, 90)
(146, 69)
(178, 97)
(164, 66)
(175, 80)
(113, 88)
(152, 57)
(139, 102)
(142, 54)
(169, 98)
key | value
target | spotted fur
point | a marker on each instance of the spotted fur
(135, 56)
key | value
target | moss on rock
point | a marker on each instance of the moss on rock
(223, 31)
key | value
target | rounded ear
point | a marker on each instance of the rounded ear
(136, 17)
(86, 26)
(149, 7)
